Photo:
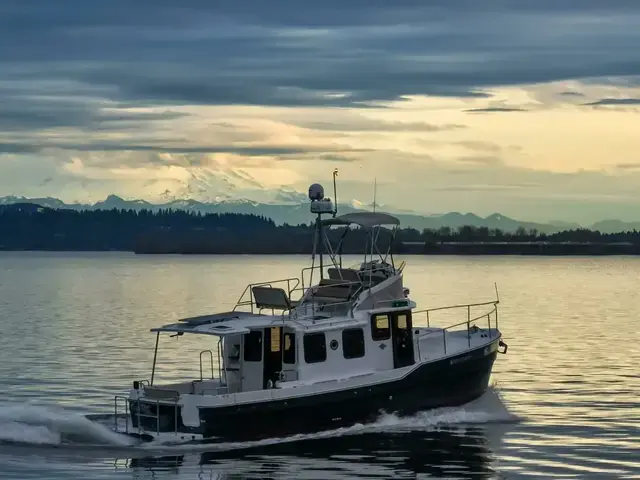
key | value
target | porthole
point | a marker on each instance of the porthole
(333, 344)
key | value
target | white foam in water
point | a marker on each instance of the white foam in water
(34, 424)
(489, 408)
(19, 432)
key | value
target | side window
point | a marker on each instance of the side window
(315, 347)
(380, 327)
(253, 346)
(402, 320)
(289, 354)
(353, 343)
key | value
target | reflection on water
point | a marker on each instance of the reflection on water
(463, 453)
(77, 332)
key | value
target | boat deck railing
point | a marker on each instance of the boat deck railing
(154, 414)
(296, 288)
(327, 297)
(473, 322)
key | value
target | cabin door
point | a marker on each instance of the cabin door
(401, 338)
(272, 355)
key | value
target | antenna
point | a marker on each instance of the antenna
(335, 193)
(375, 188)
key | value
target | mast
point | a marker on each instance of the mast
(319, 239)
(335, 193)
(320, 206)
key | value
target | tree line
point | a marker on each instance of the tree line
(31, 227)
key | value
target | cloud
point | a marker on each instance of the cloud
(328, 54)
(480, 183)
(570, 93)
(116, 146)
(362, 124)
(480, 145)
(488, 160)
(615, 101)
(495, 109)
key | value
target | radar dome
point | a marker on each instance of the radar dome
(316, 192)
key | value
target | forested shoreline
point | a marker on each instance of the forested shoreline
(31, 227)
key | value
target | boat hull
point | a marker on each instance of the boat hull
(448, 382)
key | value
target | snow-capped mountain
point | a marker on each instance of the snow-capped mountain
(289, 207)
(217, 185)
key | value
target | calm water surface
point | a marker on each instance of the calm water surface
(564, 405)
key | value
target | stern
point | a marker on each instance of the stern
(153, 413)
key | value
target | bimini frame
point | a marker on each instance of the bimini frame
(371, 222)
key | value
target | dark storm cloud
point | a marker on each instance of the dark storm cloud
(26, 110)
(296, 53)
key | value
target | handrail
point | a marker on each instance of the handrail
(156, 402)
(462, 305)
(495, 309)
(201, 368)
(363, 273)
(116, 415)
(468, 322)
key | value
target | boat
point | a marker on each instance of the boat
(299, 355)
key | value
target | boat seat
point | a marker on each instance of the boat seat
(157, 393)
(336, 289)
(272, 298)
(343, 274)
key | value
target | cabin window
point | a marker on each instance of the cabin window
(380, 327)
(315, 347)
(253, 346)
(275, 339)
(235, 352)
(289, 354)
(402, 320)
(353, 343)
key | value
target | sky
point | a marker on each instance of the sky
(526, 108)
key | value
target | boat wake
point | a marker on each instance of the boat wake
(44, 425)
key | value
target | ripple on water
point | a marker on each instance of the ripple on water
(77, 333)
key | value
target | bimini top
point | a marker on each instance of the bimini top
(363, 219)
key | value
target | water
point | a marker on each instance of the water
(564, 402)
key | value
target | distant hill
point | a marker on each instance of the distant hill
(292, 213)
(612, 226)
(27, 226)
(22, 207)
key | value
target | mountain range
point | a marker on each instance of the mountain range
(295, 211)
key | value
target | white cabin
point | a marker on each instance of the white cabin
(337, 329)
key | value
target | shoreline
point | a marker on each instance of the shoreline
(460, 249)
